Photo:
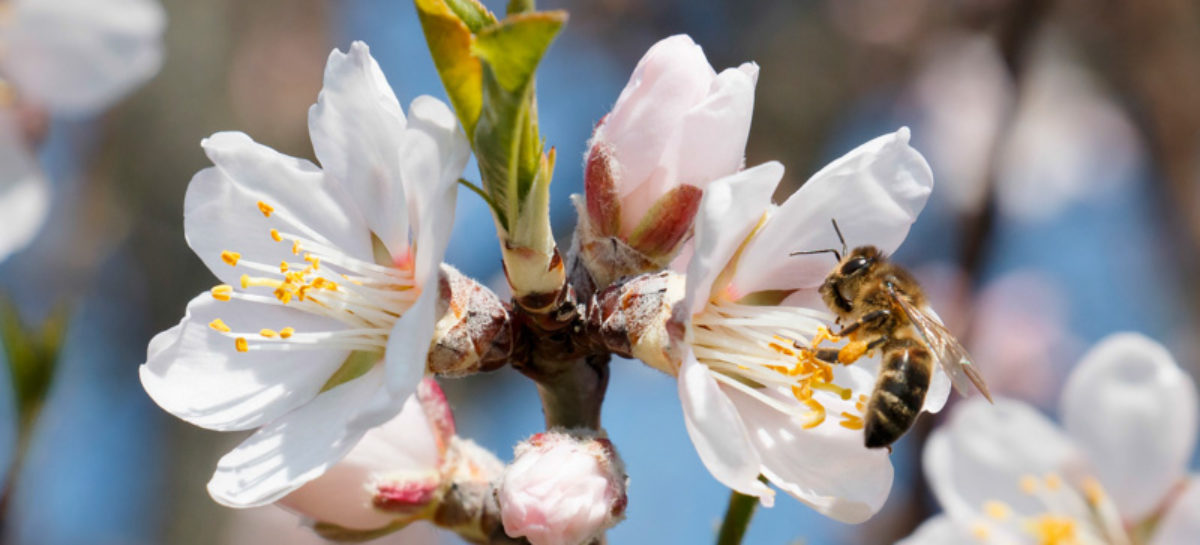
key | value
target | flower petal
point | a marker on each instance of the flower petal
(403, 448)
(729, 211)
(713, 134)
(1130, 407)
(874, 192)
(984, 450)
(301, 445)
(826, 467)
(434, 154)
(79, 56)
(357, 130)
(195, 373)
(408, 344)
(221, 211)
(942, 530)
(24, 192)
(670, 78)
(717, 431)
(1181, 523)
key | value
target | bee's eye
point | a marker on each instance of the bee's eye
(854, 265)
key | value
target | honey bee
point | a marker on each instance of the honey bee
(884, 309)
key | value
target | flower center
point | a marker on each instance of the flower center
(1070, 516)
(367, 297)
(753, 349)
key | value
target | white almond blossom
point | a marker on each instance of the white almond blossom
(65, 58)
(321, 326)
(1115, 473)
(752, 405)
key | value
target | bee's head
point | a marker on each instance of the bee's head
(847, 279)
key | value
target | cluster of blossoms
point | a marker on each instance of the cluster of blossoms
(335, 310)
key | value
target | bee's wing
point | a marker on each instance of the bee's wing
(951, 355)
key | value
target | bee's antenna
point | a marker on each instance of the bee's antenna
(840, 237)
(825, 251)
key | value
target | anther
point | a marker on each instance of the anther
(268, 333)
(219, 326)
(296, 247)
(997, 510)
(245, 281)
(286, 332)
(843, 393)
(1053, 481)
(265, 208)
(241, 344)
(283, 267)
(230, 258)
(222, 292)
(275, 235)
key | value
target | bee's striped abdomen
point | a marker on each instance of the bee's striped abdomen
(899, 391)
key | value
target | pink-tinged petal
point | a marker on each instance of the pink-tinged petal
(408, 345)
(874, 192)
(729, 211)
(713, 135)
(943, 530)
(984, 450)
(300, 446)
(433, 157)
(195, 372)
(357, 130)
(77, 57)
(401, 451)
(718, 433)
(672, 76)
(826, 467)
(24, 192)
(221, 210)
(1180, 525)
(1130, 407)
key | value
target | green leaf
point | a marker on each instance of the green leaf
(519, 6)
(448, 26)
(506, 140)
(32, 355)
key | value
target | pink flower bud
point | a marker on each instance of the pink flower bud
(395, 471)
(678, 122)
(562, 489)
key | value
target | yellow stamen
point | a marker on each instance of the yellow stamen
(283, 267)
(1028, 484)
(851, 421)
(219, 326)
(1093, 491)
(241, 344)
(268, 333)
(316, 261)
(296, 247)
(275, 235)
(230, 258)
(286, 332)
(980, 531)
(817, 414)
(1053, 481)
(222, 292)
(245, 281)
(997, 510)
(1052, 530)
(265, 208)
(843, 393)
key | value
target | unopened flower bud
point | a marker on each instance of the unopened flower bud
(474, 333)
(562, 489)
(636, 318)
(677, 126)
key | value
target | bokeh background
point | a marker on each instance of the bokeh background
(1064, 137)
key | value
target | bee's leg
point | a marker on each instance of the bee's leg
(873, 316)
(827, 355)
(856, 348)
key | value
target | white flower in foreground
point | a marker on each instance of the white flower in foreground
(677, 126)
(1115, 474)
(752, 405)
(321, 328)
(76, 57)
(562, 489)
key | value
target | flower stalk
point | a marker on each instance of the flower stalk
(737, 518)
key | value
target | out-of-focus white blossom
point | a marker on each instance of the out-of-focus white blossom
(562, 489)
(1007, 475)
(752, 404)
(322, 325)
